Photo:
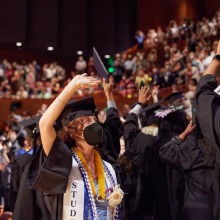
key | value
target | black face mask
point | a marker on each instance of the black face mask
(93, 134)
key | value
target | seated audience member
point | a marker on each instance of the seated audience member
(142, 79)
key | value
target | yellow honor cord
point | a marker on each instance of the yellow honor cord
(99, 170)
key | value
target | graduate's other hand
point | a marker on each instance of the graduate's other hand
(154, 93)
(143, 96)
(187, 131)
(190, 127)
(108, 89)
(83, 81)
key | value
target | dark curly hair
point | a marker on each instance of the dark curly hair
(69, 133)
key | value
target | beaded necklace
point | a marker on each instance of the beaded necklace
(100, 173)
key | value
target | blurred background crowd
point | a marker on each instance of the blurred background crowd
(167, 57)
(174, 57)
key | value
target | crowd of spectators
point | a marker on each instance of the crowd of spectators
(30, 80)
(187, 48)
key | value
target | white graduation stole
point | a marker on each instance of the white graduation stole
(73, 199)
(109, 166)
(217, 90)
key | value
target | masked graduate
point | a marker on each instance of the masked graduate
(76, 182)
(208, 113)
(21, 196)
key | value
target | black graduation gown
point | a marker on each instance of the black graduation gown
(113, 130)
(141, 150)
(171, 125)
(208, 110)
(208, 114)
(29, 203)
(176, 189)
(174, 180)
(24, 196)
(17, 167)
(49, 175)
(198, 168)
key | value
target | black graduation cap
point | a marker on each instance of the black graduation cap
(155, 106)
(149, 111)
(152, 107)
(31, 125)
(148, 116)
(75, 109)
(173, 97)
(172, 118)
(101, 70)
(165, 111)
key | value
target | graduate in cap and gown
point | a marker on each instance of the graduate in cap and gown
(141, 150)
(153, 198)
(75, 181)
(188, 153)
(172, 122)
(137, 145)
(168, 182)
(208, 114)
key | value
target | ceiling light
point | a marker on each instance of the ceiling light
(18, 44)
(79, 52)
(50, 48)
(107, 56)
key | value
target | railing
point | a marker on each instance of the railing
(33, 105)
